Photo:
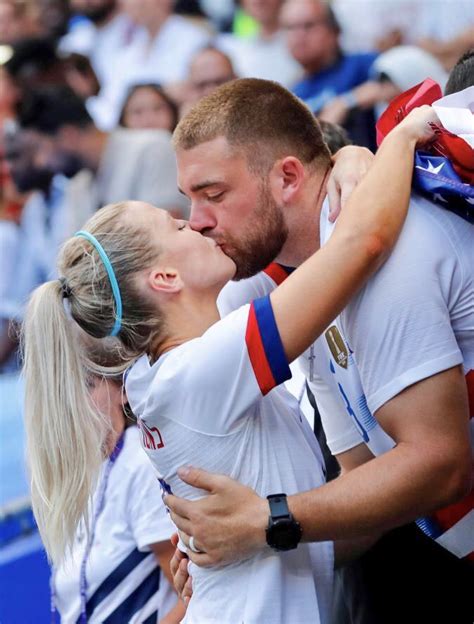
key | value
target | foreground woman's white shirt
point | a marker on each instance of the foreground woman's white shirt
(202, 404)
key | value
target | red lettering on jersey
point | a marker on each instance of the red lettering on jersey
(151, 436)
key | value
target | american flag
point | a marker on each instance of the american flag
(445, 171)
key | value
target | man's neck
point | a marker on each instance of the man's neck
(303, 222)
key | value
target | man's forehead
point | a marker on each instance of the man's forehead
(207, 161)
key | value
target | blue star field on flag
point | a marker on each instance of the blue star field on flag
(435, 177)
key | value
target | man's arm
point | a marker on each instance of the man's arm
(428, 469)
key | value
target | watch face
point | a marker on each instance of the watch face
(284, 534)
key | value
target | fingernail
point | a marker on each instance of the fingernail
(184, 471)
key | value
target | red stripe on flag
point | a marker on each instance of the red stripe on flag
(449, 516)
(470, 391)
(276, 272)
(258, 357)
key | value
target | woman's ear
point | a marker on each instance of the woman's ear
(165, 280)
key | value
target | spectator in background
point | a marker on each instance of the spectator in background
(209, 69)
(393, 72)
(101, 37)
(462, 74)
(16, 21)
(147, 106)
(125, 164)
(263, 54)
(161, 51)
(37, 238)
(313, 40)
(334, 136)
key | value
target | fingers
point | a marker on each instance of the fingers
(188, 589)
(199, 478)
(346, 192)
(175, 539)
(183, 524)
(181, 577)
(178, 506)
(175, 561)
(203, 560)
(333, 193)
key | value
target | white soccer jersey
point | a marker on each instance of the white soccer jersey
(212, 403)
(125, 583)
(425, 295)
(432, 267)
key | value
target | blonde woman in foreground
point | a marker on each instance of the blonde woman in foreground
(203, 388)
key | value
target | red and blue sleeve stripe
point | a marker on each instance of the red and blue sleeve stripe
(264, 345)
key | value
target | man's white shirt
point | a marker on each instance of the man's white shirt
(413, 319)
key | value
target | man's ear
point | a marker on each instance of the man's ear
(286, 178)
(165, 280)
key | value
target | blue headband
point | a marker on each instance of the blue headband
(112, 279)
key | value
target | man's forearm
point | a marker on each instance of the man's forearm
(386, 492)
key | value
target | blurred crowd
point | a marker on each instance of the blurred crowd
(91, 90)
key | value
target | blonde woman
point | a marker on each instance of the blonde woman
(119, 566)
(203, 389)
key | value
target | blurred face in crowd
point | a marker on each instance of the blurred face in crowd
(15, 22)
(146, 108)
(209, 69)
(310, 39)
(9, 94)
(143, 12)
(56, 153)
(21, 150)
(263, 11)
(96, 10)
(232, 205)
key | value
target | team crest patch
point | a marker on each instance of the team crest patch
(337, 346)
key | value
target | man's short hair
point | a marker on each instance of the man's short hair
(50, 108)
(259, 117)
(462, 74)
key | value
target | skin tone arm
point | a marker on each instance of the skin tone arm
(163, 552)
(429, 468)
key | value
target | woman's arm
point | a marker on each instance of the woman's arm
(163, 552)
(311, 297)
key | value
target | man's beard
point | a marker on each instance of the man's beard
(263, 239)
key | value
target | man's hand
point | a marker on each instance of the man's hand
(351, 163)
(228, 525)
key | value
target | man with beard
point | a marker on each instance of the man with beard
(405, 449)
(125, 164)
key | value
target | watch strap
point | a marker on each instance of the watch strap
(278, 506)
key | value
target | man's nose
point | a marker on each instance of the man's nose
(201, 218)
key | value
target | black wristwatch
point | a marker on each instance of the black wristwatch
(283, 532)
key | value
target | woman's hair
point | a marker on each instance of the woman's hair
(60, 338)
(158, 89)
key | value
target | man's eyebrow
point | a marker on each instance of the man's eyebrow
(199, 187)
